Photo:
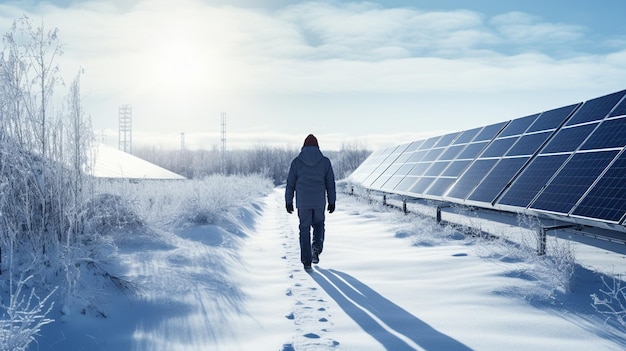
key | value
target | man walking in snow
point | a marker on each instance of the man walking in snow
(312, 179)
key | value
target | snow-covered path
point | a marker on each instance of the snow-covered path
(374, 290)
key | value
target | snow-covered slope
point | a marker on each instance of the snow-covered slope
(108, 162)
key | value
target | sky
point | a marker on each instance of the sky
(367, 73)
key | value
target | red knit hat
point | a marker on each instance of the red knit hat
(310, 140)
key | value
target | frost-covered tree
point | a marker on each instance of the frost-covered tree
(44, 140)
(33, 52)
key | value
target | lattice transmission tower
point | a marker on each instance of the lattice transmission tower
(125, 135)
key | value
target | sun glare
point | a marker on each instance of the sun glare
(179, 65)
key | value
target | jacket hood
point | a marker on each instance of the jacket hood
(310, 155)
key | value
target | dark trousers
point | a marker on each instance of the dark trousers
(311, 217)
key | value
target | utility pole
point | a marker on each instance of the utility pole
(223, 149)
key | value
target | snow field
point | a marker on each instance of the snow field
(386, 281)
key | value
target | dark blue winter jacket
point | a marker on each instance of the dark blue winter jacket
(312, 179)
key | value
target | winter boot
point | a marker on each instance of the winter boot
(316, 255)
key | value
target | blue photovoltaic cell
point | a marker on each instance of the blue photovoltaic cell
(528, 144)
(497, 179)
(569, 139)
(439, 186)
(489, 132)
(417, 156)
(436, 168)
(391, 183)
(552, 119)
(471, 178)
(518, 126)
(446, 139)
(402, 158)
(573, 180)
(596, 109)
(456, 168)
(406, 183)
(620, 110)
(432, 155)
(404, 169)
(610, 134)
(524, 189)
(421, 185)
(429, 143)
(607, 199)
(467, 136)
(384, 177)
(419, 169)
(472, 150)
(382, 167)
(498, 147)
(414, 146)
(451, 152)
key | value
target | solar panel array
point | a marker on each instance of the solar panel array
(569, 162)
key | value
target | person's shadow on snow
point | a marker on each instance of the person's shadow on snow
(392, 326)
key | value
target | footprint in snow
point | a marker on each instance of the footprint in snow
(311, 336)
(288, 347)
(290, 316)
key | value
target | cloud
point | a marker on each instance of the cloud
(356, 67)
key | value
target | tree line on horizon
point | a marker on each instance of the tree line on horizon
(271, 162)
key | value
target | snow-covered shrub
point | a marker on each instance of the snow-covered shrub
(109, 211)
(550, 274)
(23, 317)
(611, 301)
(163, 204)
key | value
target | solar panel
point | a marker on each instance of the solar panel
(610, 134)
(421, 185)
(489, 132)
(562, 163)
(552, 119)
(456, 168)
(446, 139)
(391, 183)
(569, 139)
(429, 143)
(572, 181)
(528, 144)
(534, 177)
(405, 183)
(389, 155)
(433, 154)
(519, 125)
(607, 199)
(452, 152)
(498, 147)
(472, 150)
(419, 169)
(467, 136)
(417, 156)
(439, 186)
(472, 176)
(620, 110)
(497, 179)
(436, 168)
(596, 109)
